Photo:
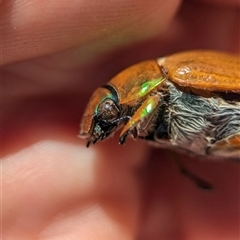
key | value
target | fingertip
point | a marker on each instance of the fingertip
(32, 29)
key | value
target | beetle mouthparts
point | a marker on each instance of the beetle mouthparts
(86, 136)
(83, 135)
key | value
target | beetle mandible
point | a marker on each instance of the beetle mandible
(188, 101)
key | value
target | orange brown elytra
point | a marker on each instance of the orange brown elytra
(188, 101)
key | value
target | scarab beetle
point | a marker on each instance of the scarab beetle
(189, 101)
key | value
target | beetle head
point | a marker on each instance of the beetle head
(102, 115)
(114, 104)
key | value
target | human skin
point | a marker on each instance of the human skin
(54, 54)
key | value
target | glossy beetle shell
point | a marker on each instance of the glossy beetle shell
(155, 99)
(210, 71)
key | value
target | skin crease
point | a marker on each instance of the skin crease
(54, 54)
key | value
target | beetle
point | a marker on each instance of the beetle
(188, 101)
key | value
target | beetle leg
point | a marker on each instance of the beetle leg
(144, 111)
(190, 175)
(229, 146)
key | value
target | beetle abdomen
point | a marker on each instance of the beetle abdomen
(195, 122)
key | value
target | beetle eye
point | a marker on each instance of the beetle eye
(108, 110)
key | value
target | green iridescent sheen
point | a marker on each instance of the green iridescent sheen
(148, 86)
(148, 109)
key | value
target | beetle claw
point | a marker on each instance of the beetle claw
(123, 138)
(88, 144)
